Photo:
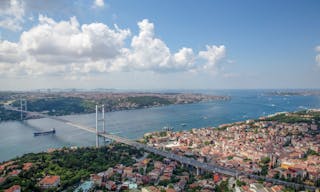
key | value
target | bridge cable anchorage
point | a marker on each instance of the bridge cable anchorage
(101, 120)
(23, 108)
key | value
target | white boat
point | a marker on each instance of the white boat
(167, 128)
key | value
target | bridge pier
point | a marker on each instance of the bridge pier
(198, 171)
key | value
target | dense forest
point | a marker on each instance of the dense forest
(297, 117)
(71, 165)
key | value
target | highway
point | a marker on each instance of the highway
(182, 159)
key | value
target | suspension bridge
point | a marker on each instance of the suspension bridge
(190, 162)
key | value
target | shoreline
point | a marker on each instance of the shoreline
(261, 118)
(228, 158)
(121, 110)
(157, 125)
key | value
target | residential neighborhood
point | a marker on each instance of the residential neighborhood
(288, 151)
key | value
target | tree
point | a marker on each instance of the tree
(223, 187)
(264, 170)
(312, 152)
(317, 183)
(164, 182)
(163, 133)
(265, 160)
(141, 171)
(240, 183)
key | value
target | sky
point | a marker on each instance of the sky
(143, 44)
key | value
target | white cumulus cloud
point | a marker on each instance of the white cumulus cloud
(69, 48)
(12, 14)
(150, 53)
(67, 41)
(98, 3)
(212, 55)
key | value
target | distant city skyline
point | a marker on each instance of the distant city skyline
(159, 44)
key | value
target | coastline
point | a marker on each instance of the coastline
(260, 160)
(131, 109)
(134, 123)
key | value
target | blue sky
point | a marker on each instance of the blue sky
(159, 44)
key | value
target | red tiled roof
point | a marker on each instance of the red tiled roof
(2, 179)
(13, 188)
(5, 165)
(50, 180)
(153, 189)
(14, 172)
(27, 166)
(276, 188)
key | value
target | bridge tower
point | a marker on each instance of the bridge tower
(100, 121)
(198, 171)
(23, 107)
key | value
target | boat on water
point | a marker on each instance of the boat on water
(167, 128)
(51, 132)
(183, 124)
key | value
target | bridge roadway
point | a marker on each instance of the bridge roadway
(182, 159)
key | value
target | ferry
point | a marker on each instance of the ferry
(51, 132)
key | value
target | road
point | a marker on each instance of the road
(182, 159)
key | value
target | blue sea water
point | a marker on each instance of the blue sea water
(16, 138)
